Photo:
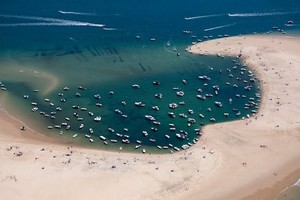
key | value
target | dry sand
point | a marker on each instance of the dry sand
(227, 163)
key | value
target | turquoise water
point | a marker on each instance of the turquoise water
(109, 46)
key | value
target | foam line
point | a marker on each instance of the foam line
(219, 27)
(76, 13)
(259, 14)
(202, 16)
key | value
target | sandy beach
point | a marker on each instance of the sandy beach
(249, 159)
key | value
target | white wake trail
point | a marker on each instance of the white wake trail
(203, 16)
(258, 14)
(76, 13)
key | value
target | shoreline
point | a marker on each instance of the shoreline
(257, 46)
(243, 160)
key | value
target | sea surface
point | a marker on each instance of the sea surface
(64, 63)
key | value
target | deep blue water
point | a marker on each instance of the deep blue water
(67, 40)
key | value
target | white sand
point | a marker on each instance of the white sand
(220, 175)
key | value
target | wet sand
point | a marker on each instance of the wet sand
(255, 158)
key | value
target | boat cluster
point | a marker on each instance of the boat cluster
(153, 112)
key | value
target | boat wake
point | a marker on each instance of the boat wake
(203, 16)
(219, 27)
(76, 13)
(257, 14)
(45, 21)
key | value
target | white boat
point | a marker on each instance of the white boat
(150, 117)
(111, 130)
(97, 119)
(152, 140)
(176, 148)
(218, 103)
(126, 141)
(57, 126)
(97, 96)
(182, 115)
(136, 86)
(145, 133)
(155, 108)
(171, 114)
(102, 137)
(201, 115)
(118, 111)
(75, 135)
(156, 123)
(212, 119)
(91, 114)
(173, 105)
(139, 104)
(159, 96)
(204, 77)
(180, 93)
